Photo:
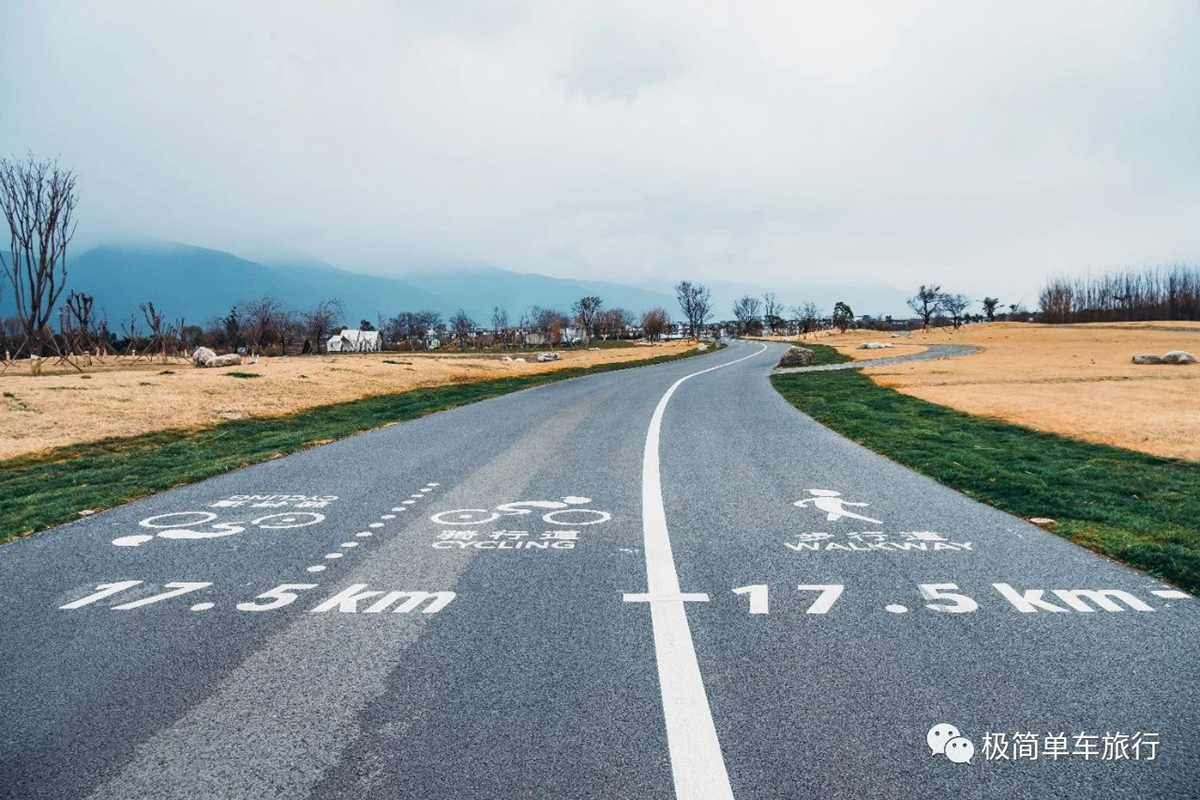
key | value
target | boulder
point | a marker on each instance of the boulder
(702, 347)
(1147, 358)
(1179, 357)
(230, 360)
(519, 360)
(549, 356)
(202, 355)
(874, 345)
(797, 357)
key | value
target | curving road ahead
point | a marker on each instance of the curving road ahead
(714, 597)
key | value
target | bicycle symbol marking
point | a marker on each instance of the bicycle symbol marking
(184, 525)
(558, 512)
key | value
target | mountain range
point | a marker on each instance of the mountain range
(197, 284)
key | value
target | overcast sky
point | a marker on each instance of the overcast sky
(981, 145)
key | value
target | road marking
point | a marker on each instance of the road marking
(1170, 594)
(697, 764)
(694, 597)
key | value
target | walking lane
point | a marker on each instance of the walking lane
(838, 704)
(167, 699)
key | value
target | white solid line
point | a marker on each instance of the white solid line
(1170, 594)
(697, 765)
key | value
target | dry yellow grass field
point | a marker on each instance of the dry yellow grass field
(123, 399)
(1074, 380)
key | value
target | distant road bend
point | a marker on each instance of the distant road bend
(657, 582)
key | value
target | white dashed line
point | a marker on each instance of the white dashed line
(333, 555)
(317, 568)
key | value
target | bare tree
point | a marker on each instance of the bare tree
(585, 310)
(38, 199)
(654, 323)
(745, 310)
(772, 308)
(319, 321)
(1163, 293)
(289, 327)
(414, 327)
(809, 315)
(695, 301)
(954, 305)
(500, 325)
(78, 328)
(259, 318)
(10, 337)
(461, 328)
(158, 342)
(612, 322)
(926, 302)
(549, 323)
(426, 323)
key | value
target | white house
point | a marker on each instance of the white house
(351, 341)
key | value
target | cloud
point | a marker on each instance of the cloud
(977, 146)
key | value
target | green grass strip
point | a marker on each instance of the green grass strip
(1136, 508)
(51, 488)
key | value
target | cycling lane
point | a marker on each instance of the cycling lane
(830, 690)
(492, 660)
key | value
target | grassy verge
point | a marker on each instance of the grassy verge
(50, 488)
(1136, 508)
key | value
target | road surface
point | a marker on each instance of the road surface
(716, 597)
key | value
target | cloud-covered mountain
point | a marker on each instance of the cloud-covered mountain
(198, 283)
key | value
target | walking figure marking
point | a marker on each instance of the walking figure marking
(833, 505)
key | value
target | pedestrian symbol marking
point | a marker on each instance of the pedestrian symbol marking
(833, 505)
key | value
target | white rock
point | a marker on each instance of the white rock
(1178, 357)
(202, 355)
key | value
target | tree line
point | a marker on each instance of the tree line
(1164, 293)
(38, 201)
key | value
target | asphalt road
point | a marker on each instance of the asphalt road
(649, 642)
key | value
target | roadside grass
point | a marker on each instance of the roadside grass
(1138, 509)
(53, 487)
